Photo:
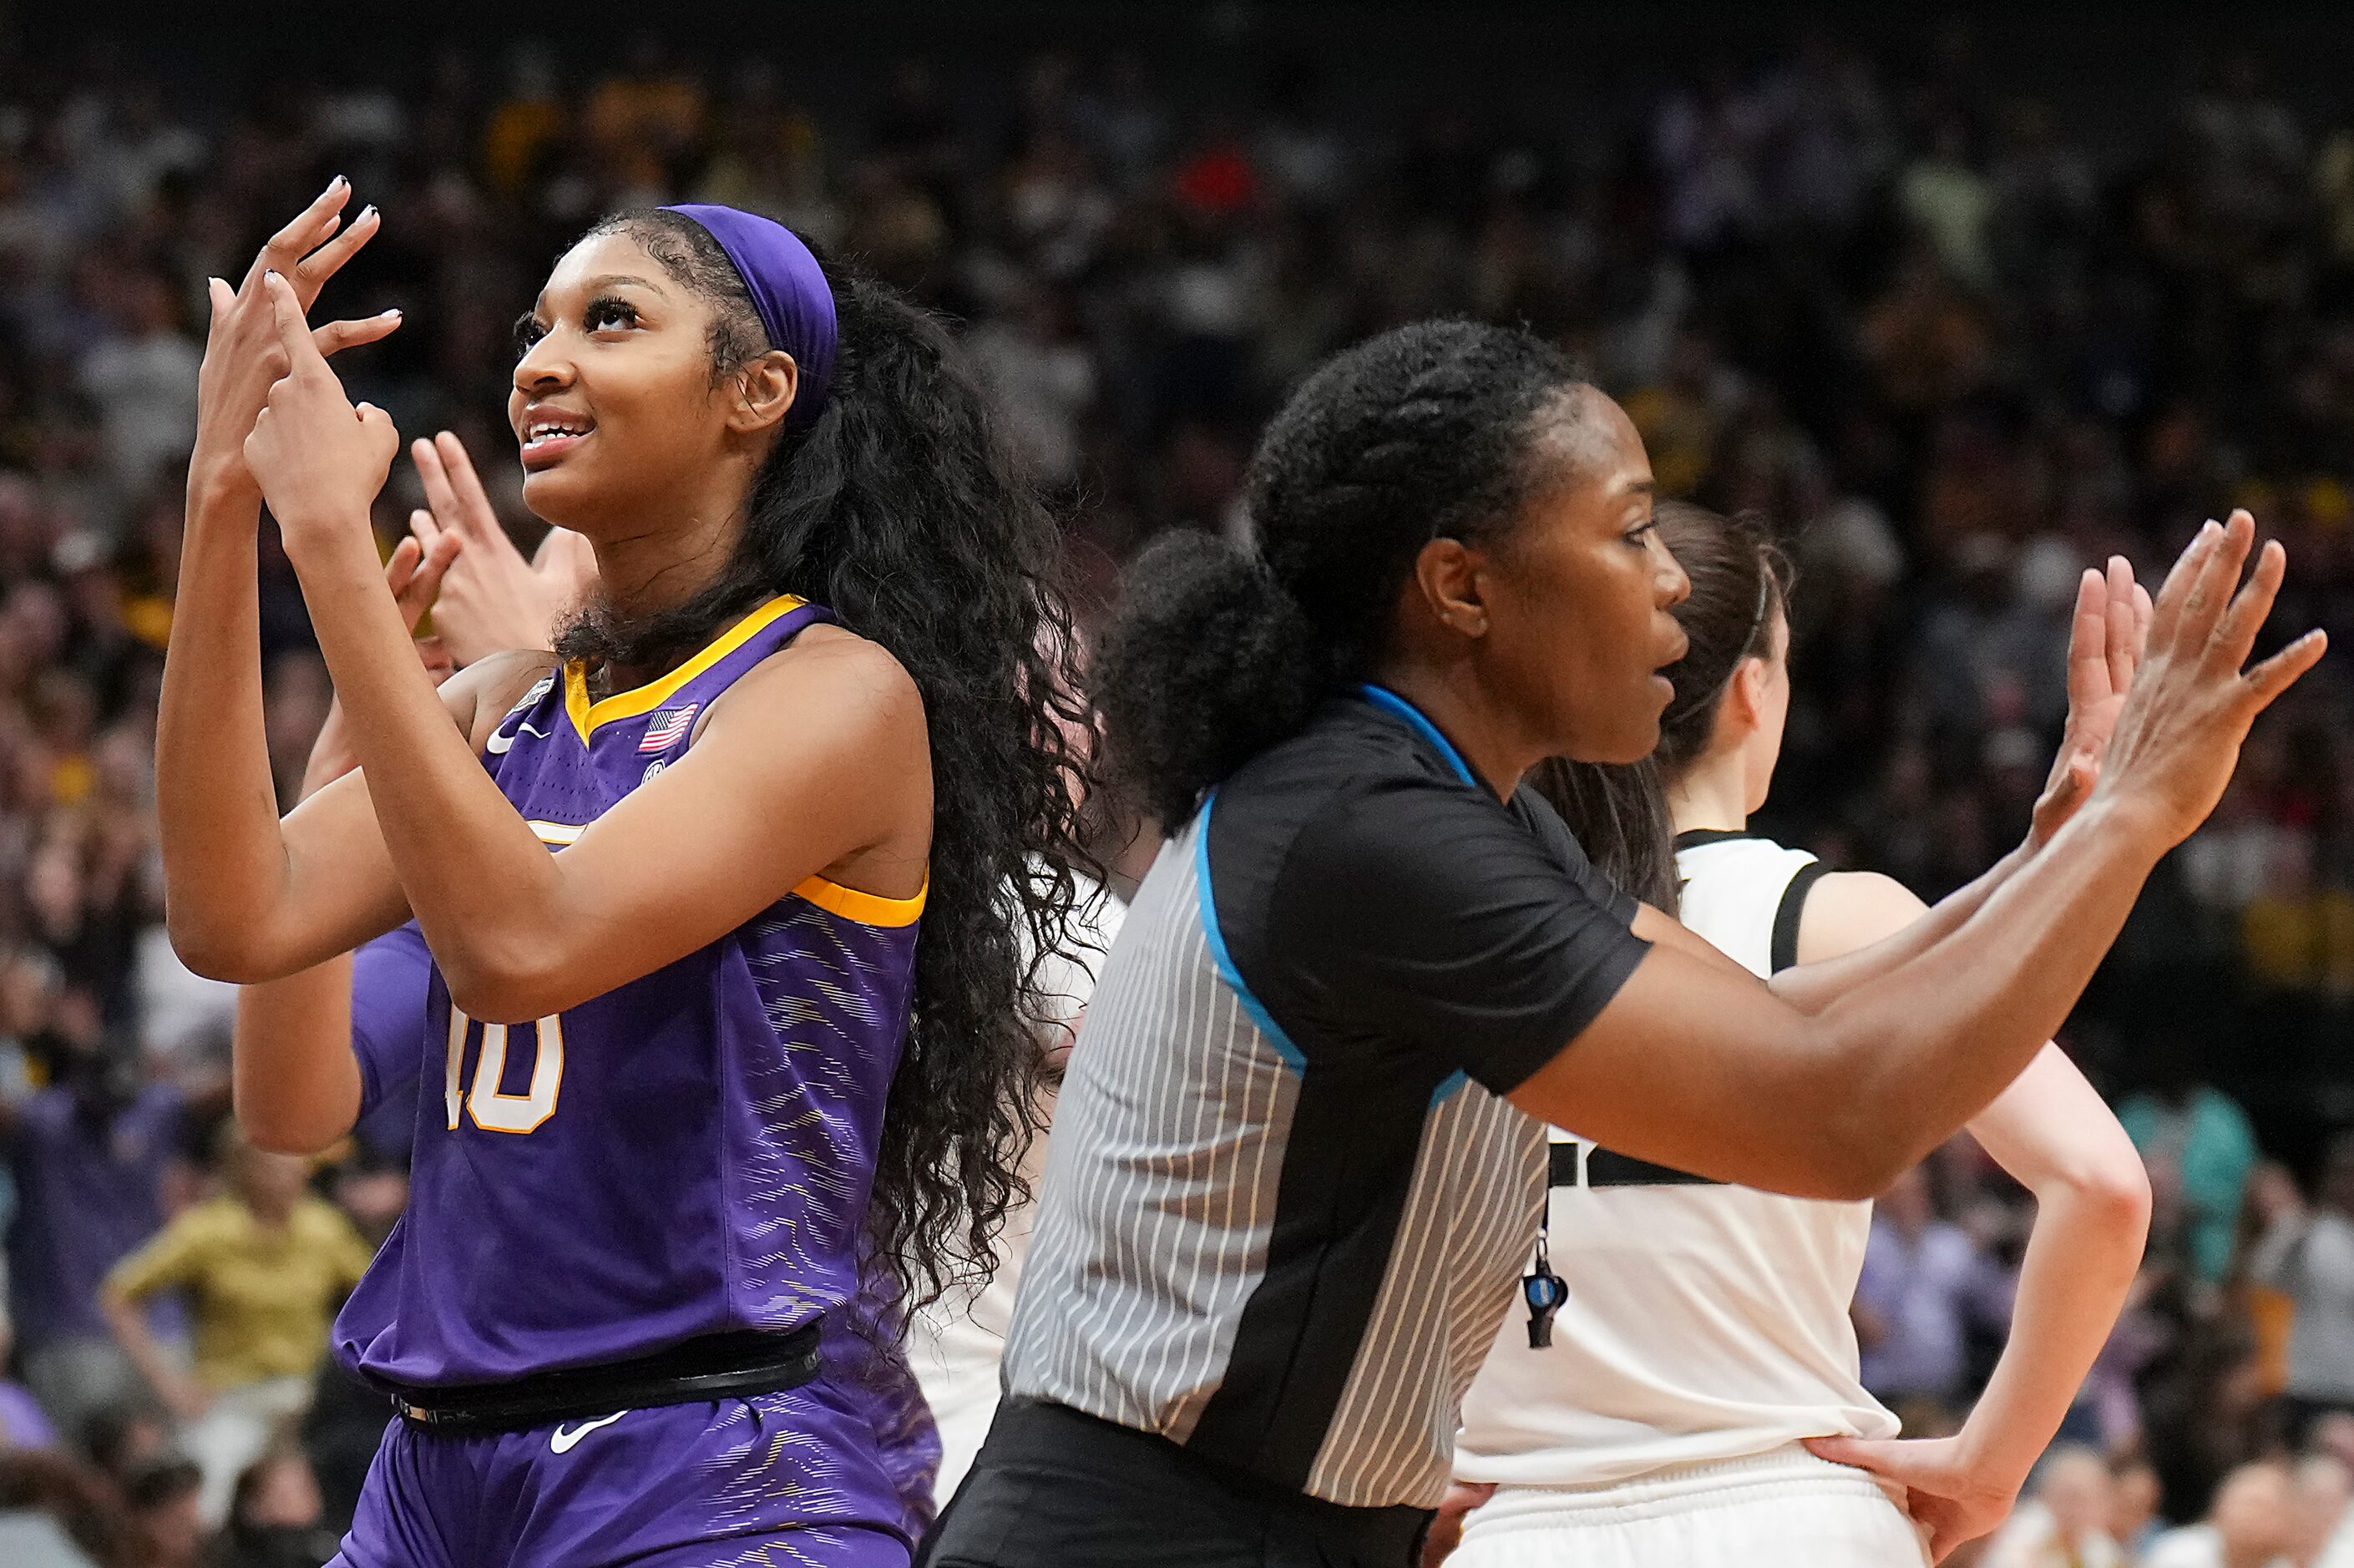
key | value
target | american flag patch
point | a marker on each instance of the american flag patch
(667, 727)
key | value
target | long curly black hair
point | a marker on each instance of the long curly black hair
(899, 508)
(1216, 652)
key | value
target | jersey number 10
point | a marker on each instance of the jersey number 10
(493, 1111)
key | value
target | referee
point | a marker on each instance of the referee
(1292, 1181)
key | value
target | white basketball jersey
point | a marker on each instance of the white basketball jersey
(1704, 1321)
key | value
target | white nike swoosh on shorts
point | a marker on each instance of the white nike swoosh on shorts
(560, 1441)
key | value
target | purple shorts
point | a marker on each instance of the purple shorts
(793, 1479)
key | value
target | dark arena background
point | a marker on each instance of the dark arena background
(1960, 303)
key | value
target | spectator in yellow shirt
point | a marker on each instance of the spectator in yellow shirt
(263, 1268)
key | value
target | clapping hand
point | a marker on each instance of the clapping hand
(492, 599)
(244, 352)
(320, 460)
(2104, 648)
(2177, 735)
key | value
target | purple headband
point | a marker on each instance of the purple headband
(787, 289)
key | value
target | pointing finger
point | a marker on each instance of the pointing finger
(476, 514)
(435, 477)
(293, 333)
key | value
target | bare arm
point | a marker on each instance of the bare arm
(1695, 1064)
(2052, 1132)
(295, 1077)
(216, 808)
(752, 811)
(2054, 1135)
(2107, 637)
(1692, 1067)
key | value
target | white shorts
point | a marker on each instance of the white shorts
(1785, 1509)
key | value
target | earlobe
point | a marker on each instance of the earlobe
(1749, 690)
(765, 391)
(1447, 573)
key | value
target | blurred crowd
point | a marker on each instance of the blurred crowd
(1899, 308)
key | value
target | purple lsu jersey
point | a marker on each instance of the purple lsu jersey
(689, 1153)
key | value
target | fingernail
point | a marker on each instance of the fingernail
(394, 312)
(365, 211)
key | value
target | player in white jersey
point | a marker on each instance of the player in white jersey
(1701, 1374)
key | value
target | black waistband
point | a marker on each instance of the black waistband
(1603, 1169)
(715, 1366)
(1040, 1432)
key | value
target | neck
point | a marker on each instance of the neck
(1710, 794)
(663, 559)
(1498, 754)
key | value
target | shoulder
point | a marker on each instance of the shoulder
(831, 681)
(482, 694)
(1849, 909)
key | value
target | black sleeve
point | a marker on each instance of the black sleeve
(1422, 912)
(1556, 837)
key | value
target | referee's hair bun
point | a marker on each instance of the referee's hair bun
(1208, 662)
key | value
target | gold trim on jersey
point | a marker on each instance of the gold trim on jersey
(866, 908)
(850, 903)
(586, 716)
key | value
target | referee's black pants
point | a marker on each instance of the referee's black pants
(1056, 1488)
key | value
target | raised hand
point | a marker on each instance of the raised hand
(2104, 648)
(243, 354)
(2177, 735)
(320, 461)
(492, 599)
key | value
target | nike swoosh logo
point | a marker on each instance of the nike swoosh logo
(560, 1441)
(497, 745)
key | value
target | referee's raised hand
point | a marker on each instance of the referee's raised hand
(2179, 729)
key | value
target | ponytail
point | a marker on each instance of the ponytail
(1209, 663)
(1428, 431)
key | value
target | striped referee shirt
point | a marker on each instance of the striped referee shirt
(1285, 1205)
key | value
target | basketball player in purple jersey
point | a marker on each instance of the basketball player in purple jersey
(617, 1316)
(366, 1012)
